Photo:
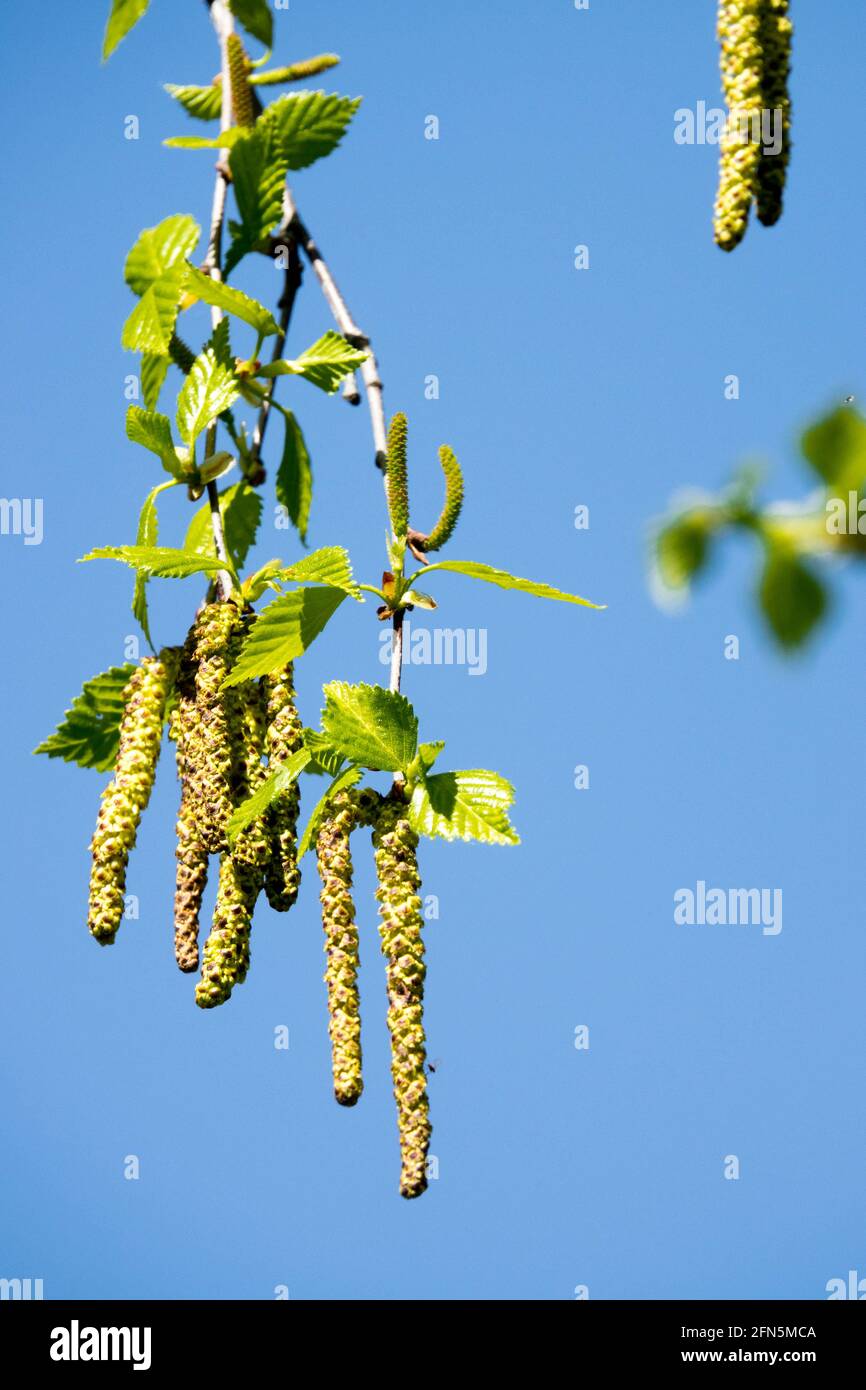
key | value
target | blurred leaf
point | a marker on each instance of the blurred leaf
(256, 18)
(681, 550)
(792, 597)
(836, 449)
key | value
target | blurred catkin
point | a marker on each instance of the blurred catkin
(128, 793)
(739, 32)
(776, 36)
(284, 737)
(348, 810)
(395, 844)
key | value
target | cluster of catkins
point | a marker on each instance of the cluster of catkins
(755, 38)
(223, 737)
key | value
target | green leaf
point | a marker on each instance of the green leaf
(159, 562)
(504, 580)
(330, 565)
(324, 758)
(258, 169)
(265, 578)
(124, 15)
(836, 449)
(295, 477)
(464, 806)
(682, 549)
(310, 124)
(154, 368)
(241, 508)
(274, 785)
(793, 599)
(325, 364)
(209, 389)
(348, 778)
(419, 600)
(150, 326)
(256, 18)
(283, 631)
(148, 535)
(90, 732)
(429, 752)
(153, 432)
(158, 249)
(232, 301)
(224, 141)
(370, 725)
(204, 103)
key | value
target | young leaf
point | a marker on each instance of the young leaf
(330, 565)
(154, 368)
(232, 301)
(464, 806)
(793, 598)
(682, 549)
(159, 562)
(258, 169)
(504, 580)
(148, 535)
(224, 141)
(153, 432)
(150, 326)
(324, 757)
(325, 364)
(256, 18)
(274, 785)
(348, 778)
(204, 103)
(209, 389)
(429, 752)
(836, 449)
(124, 15)
(90, 732)
(265, 578)
(370, 725)
(158, 249)
(295, 477)
(310, 124)
(241, 508)
(283, 631)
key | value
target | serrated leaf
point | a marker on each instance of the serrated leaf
(159, 562)
(294, 485)
(224, 141)
(310, 124)
(283, 631)
(330, 565)
(258, 168)
(204, 103)
(792, 597)
(348, 778)
(274, 785)
(147, 535)
(90, 732)
(158, 249)
(836, 449)
(209, 388)
(154, 369)
(473, 570)
(325, 364)
(150, 326)
(241, 508)
(153, 432)
(124, 15)
(429, 752)
(370, 725)
(265, 578)
(256, 18)
(324, 758)
(470, 805)
(232, 301)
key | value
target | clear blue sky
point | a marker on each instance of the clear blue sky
(558, 1167)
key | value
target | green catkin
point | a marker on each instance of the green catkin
(776, 36)
(128, 793)
(284, 737)
(243, 102)
(253, 844)
(191, 855)
(396, 476)
(212, 642)
(226, 955)
(395, 844)
(181, 355)
(296, 72)
(444, 528)
(739, 32)
(348, 810)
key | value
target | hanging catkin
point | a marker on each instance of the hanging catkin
(347, 811)
(739, 31)
(127, 795)
(395, 843)
(244, 101)
(776, 35)
(246, 705)
(284, 737)
(226, 955)
(212, 643)
(191, 855)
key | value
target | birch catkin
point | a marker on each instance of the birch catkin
(226, 955)
(284, 737)
(212, 643)
(191, 855)
(128, 793)
(739, 31)
(395, 844)
(776, 36)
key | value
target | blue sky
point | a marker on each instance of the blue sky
(558, 1167)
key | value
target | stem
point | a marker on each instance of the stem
(292, 284)
(397, 650)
